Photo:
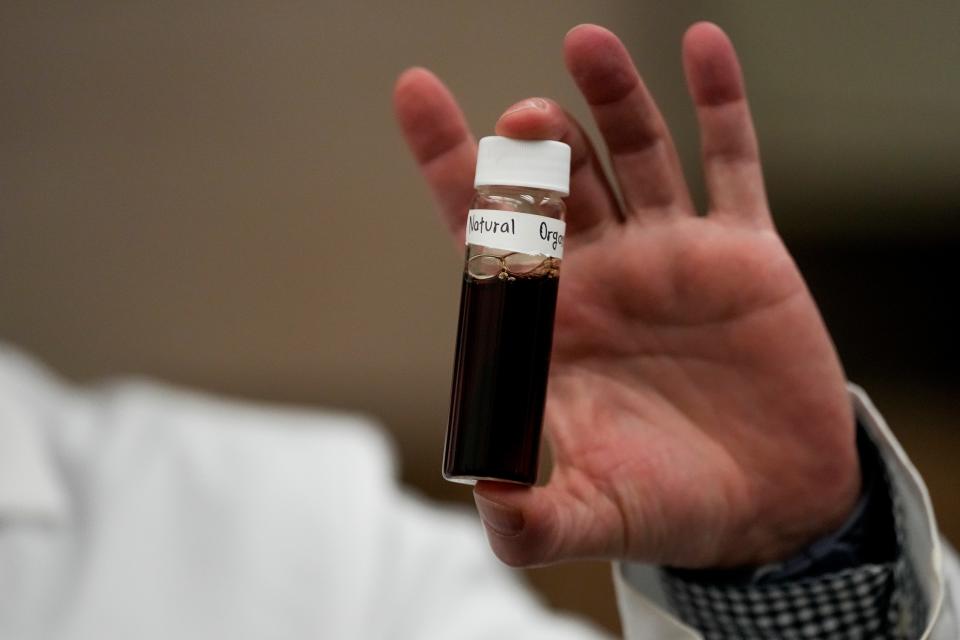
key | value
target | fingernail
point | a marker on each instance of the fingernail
(502, 519)
(533, 103)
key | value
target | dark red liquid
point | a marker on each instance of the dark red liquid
(500, 378)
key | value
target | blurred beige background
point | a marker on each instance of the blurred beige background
(214, 193)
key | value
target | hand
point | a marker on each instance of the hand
(696, 408)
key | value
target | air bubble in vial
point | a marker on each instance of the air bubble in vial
(522, 263)
(484, 266)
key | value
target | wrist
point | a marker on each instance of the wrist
(816, 498)
(865, 535)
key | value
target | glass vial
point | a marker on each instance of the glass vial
(514, 245)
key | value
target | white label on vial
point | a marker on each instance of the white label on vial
(512, 231)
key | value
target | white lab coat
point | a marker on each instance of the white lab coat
(134, 510)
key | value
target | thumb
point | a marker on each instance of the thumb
(564, 520)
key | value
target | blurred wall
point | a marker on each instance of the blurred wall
(214, 192)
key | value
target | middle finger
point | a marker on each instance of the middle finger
(591, 204)
(641, 150)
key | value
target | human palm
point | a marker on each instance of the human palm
(696, 408)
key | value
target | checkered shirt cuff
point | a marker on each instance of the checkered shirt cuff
(853, 603)
(882, 601)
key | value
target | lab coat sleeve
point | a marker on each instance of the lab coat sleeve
(440, 580)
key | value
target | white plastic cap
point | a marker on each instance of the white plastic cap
(540, 164)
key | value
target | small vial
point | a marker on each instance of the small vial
(514, 245)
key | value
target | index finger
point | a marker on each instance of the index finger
(438, 137)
